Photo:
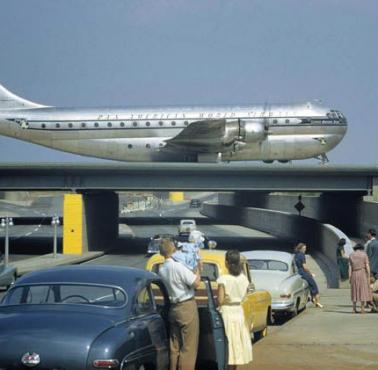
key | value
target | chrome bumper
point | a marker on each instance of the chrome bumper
(282, 305)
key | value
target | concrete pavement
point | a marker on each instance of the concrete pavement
(332, 338)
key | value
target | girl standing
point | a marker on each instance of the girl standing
(232, 288)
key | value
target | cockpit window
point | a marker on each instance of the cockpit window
(335, 115)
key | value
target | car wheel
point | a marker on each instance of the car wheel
(305, 305)
(260, 334)
(296, 308)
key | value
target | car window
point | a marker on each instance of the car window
(210, 270)
(278, 265)
(65, 294)
(258, 265)
(272, 265)
(155, 268)
(160, 300)
(144, 302)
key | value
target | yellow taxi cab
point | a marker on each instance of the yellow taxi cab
(257, 303)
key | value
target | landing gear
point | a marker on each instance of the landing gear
(323, 158)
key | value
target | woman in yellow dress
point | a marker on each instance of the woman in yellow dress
(232, 289)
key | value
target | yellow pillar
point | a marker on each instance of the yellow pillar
(176, 196)
(73, 224)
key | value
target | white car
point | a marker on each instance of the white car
(276, 272)
(187, 226)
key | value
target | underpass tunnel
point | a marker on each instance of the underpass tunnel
(276, 214)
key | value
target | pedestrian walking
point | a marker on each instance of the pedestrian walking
(232, 289)
(359, 277)
(342, 260)
(372, 252)
(304, 271)
(183, 313)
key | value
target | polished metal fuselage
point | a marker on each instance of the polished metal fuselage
(291, 131)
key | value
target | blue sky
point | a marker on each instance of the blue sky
(138, 52)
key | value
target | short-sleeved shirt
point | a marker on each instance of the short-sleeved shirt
(188, 254)
(178, 279)
(235, 287)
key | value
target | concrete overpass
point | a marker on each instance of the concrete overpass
(185, 176)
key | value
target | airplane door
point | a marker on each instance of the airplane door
(213, 346)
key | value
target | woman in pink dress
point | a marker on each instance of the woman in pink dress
(359, 274)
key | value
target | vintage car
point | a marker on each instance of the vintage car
(97, 317)
(8, 275)
(276, 272)
(195, 203)
(257, 304)
(153, 245)
(186, 226)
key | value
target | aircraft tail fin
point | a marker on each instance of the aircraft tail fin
(9, 100)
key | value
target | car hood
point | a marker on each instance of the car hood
(61, 338)
(272, 281)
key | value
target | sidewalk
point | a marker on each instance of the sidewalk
(48, 261)
(332, 338)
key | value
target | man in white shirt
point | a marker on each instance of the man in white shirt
(183, 314)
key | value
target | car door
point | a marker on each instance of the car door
(213, 346)
(150, 327)
(212, 342)
(254, 305)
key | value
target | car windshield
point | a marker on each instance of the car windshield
(267, 265)
(97, 295)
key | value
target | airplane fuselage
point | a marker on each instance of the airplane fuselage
(230, 133)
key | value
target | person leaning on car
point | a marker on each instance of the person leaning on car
(183, 313)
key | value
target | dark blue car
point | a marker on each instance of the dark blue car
(96, 317)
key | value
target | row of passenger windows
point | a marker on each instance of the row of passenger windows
(134, 124)
(110, 124)
(148, 146)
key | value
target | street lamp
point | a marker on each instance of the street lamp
(55, 223)
(6, 222)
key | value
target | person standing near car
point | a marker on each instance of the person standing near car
(359, 278)
(304, 271)
(372, 252)
(232, 288)
(181, 283)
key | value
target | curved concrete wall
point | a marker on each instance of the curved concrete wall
(368, 217)
(321, 239)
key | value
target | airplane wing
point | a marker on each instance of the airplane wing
(206, 137)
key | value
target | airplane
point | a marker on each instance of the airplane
(281, 132)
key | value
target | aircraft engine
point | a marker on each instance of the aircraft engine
(252, 131)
